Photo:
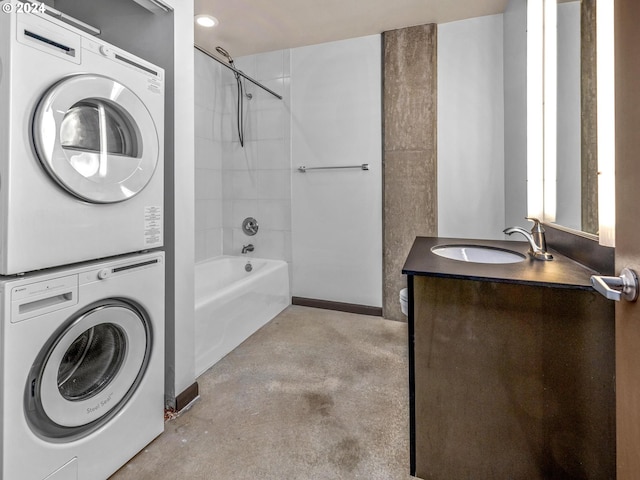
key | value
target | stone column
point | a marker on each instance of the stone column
(409, 150)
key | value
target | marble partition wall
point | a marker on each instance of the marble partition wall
(409, 65)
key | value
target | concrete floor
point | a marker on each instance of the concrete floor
(314, 394)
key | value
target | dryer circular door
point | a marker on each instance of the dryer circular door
(88, 370)
(96, 138)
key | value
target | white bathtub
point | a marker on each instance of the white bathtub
(231, 304)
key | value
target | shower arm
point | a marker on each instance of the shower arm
(238, 72)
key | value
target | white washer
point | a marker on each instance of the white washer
(82, 364)
(81, 146)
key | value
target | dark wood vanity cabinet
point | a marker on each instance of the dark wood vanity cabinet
(508, 379)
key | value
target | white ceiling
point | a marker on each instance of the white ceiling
(254, 26)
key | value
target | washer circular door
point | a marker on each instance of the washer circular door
(96, 138)
(88, 370)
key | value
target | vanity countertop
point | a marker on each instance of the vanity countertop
(561, 272)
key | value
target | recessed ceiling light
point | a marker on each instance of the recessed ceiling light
(206, 21)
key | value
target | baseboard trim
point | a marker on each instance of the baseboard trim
(338, 306)
(187, 396)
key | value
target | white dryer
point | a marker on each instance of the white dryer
(82, 368)
(81, 146)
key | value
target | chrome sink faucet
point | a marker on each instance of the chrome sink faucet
(536, 239)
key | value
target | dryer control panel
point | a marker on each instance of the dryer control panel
(114, 53)
(114, 270)
(34, 299)
(39, 33)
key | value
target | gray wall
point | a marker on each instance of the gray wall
(568, 152)
(471, 181)
(336, 215)
(515, 112)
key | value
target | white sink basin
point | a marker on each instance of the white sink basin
(478, 254)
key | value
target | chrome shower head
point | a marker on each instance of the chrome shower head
(224, 53)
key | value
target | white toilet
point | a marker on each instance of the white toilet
(404, 301)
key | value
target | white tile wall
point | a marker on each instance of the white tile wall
(208, 158)
(234, 182)
(256, 179)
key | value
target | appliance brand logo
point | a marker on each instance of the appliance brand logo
(98, 406)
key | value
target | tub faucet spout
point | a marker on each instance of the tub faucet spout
(247, 248)
(536, 239)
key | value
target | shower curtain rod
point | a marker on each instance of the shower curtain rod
(211, 55)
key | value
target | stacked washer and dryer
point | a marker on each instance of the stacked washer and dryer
(82, 279)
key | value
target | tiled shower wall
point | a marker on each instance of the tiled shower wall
(256, 179)
(234, 182)
(208, 158)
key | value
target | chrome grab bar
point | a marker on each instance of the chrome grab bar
(303, 169)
